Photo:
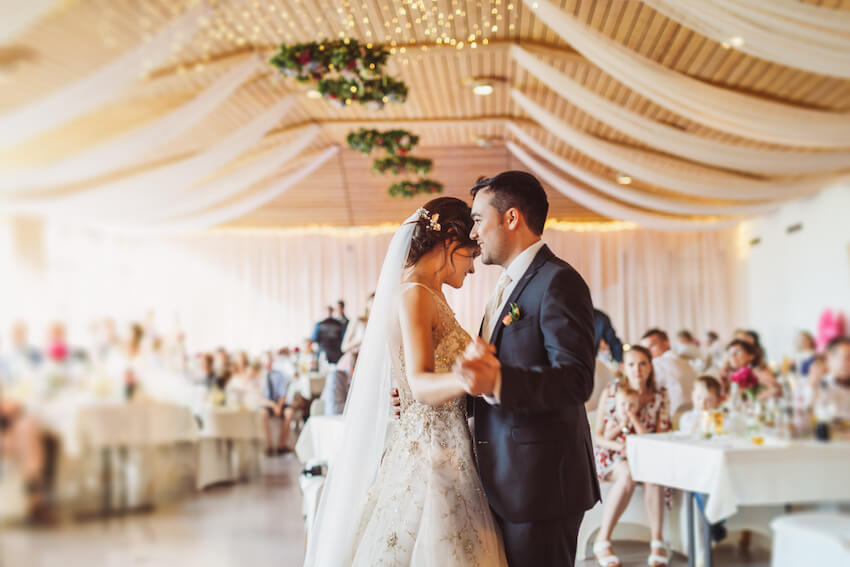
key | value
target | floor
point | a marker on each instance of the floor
(245, 525)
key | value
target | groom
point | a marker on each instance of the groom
(531, 372)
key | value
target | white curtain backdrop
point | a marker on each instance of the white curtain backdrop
(19, 16)
(136, 145)
(793, 33)
(677, 142)
(715, 107)
(266, 289)
(101, 86)
(672, 173)
(637, 197)
(611, 209)
(157, 186)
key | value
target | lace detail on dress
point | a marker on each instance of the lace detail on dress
(427, 506)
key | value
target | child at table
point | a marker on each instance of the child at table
(706, 396)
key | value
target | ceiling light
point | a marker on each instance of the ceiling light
(484, 142)
(736, 41)
(624, 179)
(313, 93)
(482, 88)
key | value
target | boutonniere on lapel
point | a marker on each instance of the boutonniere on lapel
(512, 316)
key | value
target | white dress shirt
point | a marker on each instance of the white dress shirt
(674, 373)
(515, 270)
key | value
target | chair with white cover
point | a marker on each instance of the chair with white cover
(811, 539)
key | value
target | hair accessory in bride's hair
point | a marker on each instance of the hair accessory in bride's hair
(432, 219)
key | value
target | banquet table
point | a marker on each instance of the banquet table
(320, 439)
(229, 445)
(735, 472)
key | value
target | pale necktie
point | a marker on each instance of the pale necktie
(493, 305)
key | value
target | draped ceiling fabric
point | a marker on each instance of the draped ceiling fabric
(666, 171)
(637, 197)
(232, 210)
(157, 187)
(101, 86)
(789, 32)
(18, 16)
(610, 208)
(715, 107)
(675, 141)
(267, 288)
(136, 145)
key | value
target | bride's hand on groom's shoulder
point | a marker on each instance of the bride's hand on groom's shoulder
(479, 369)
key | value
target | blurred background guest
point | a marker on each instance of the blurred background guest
(328, 335)
(672, 372)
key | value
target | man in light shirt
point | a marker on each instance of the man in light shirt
(671, 371)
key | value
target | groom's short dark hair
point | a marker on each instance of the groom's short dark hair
(520, 190)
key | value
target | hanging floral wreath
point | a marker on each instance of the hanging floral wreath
(356, 69)
(402, 164)
(409, 189)
(394, 142)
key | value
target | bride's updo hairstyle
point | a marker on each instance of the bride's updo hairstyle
(440, 220)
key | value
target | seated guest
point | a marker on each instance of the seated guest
(336, 387)
(745, 368)
(354, 332)
(21, 360)
(805, 352)
(687, 346)
(244, 390)
(222, 367)
(275, 386)
(603, 330)
(602, 378)
(708, 395)
(672, 372)
(23, 442)
(836, 385)
(644, 411)
(714, 352)
(804, 395)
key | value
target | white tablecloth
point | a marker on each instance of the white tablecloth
(224, 423)
(230, 445)
(320, 438)
(735, 472)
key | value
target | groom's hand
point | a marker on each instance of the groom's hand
(479, 369)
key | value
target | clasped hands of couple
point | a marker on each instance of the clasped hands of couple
(478, 370)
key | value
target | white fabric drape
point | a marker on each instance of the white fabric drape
(224, 188)
(160, 185)
(715, 107)
(611, 209)
(684, 177)
(677, 142)
(635, 196)
(232, 210)
(100, 87)
(812, 38)
(257, 290)
(134, 146)
(19, 16)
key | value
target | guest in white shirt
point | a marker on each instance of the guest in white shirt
(686, 345)
(715, 350)
(707, 395)
(671, 371)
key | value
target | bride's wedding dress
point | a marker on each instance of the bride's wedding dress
(427, 507)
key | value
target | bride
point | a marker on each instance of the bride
(416, 499)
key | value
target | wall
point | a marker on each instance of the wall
(790, 278)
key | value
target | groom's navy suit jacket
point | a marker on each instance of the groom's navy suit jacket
(534, 449)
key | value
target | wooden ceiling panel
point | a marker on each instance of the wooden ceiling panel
(438, 46)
